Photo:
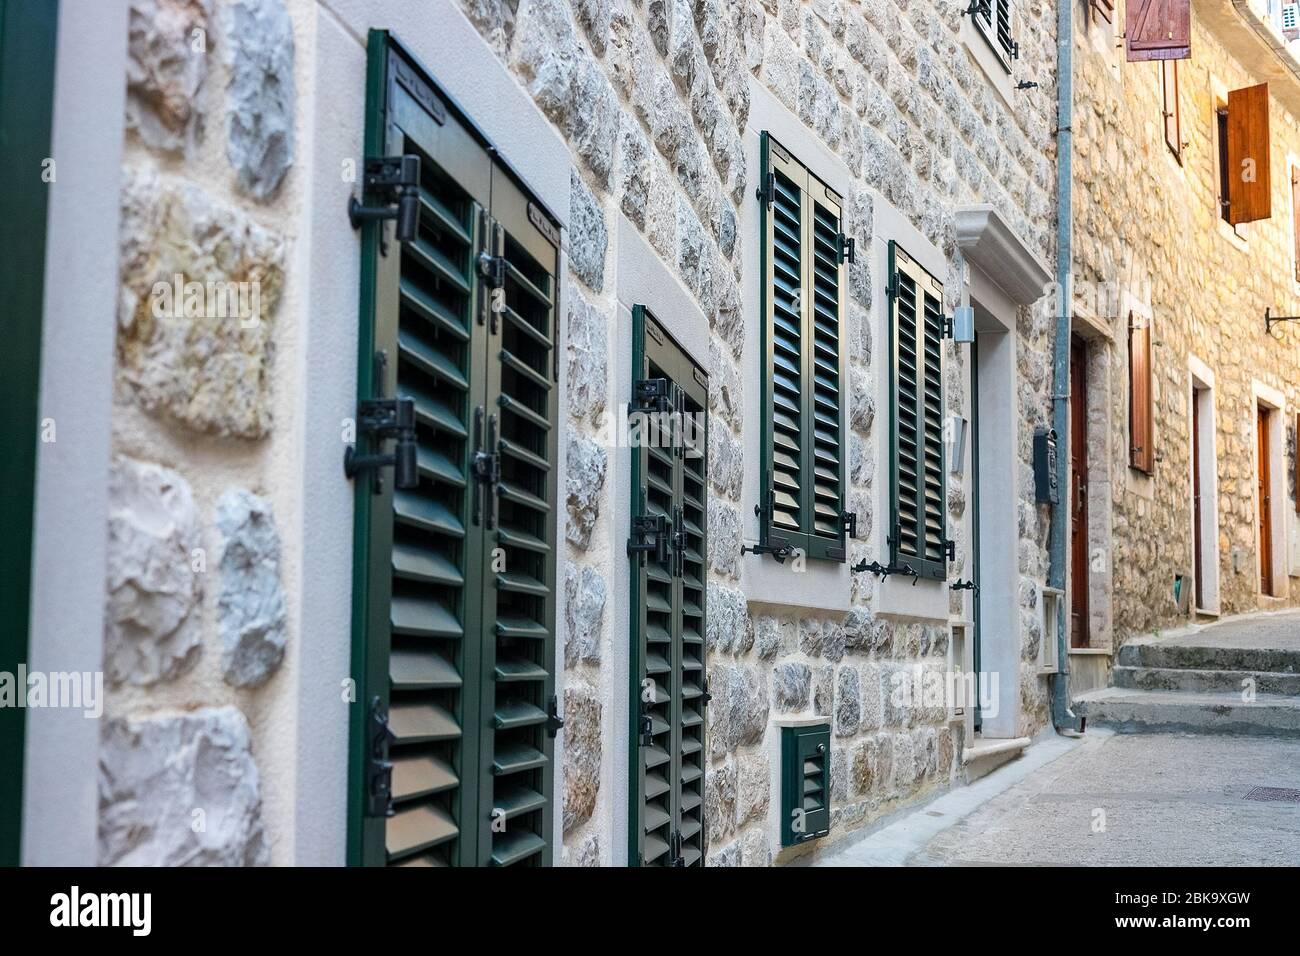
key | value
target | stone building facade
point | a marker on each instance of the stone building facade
(227, 633)
(1150, 239)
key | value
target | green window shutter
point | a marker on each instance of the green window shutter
(455, 577)
(803, 500)
(667, 548)
(805, 783)
(918, 536)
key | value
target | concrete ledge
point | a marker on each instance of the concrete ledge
(1154, 711)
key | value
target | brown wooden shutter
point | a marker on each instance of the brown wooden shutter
(1158, 29)
(1173, 121)
(1141, 443)
(1295, 226)
(1249, 193)
(1105, 9)
(1295, 449)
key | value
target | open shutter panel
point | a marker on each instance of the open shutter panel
(668, 609)
(1141, 442)
(456, 576)
(1158, 29)
(1249, 182)
(1105, 9)
(1005, 41)
(919, 536)
(803, 426)
(1295, 218)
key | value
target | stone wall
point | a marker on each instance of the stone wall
(1150, 225)
(196, 635)
(652, 97)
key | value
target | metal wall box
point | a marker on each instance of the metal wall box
(1045, 489)
(805, 783)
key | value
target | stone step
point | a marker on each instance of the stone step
(1195, 679)
(1214, 657)
(1190, 712)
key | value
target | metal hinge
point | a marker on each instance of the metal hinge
(492, 269)
(485, 468)
(778, 548)
(767, 189)
(678, 542)
(1015, 49)
(381, 418)
(396, 181)
(849, 522)
(553, 720)
(379, 769)
(708, 697)
(845, 248)
(675, 849)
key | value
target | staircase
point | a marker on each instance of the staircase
(1196, 681)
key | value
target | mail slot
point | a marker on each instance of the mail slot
(1045, 489)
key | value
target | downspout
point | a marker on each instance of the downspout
(1063, 718)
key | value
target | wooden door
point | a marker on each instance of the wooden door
(1196, 497)
(1265, 506)
(1078, 492)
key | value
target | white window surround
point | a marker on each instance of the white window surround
(70, 539)
(326, 274)
(1275, 402)
(998, 75)
(823, 585)
(1238, 235)
(641, 278)
(1201, 389)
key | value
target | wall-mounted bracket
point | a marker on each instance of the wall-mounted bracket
(1271, 320)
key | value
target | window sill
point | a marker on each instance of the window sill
(1231, 234)
(925, 601)
(820, 586)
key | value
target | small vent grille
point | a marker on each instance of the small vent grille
(1273, 795)
(805, 783)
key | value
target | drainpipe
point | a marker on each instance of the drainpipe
(1063, 718)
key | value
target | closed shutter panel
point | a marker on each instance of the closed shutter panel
(455, 577)
(668, 605)
(520, 414)
(1250, 186)
(1141, 440)
(803, 421)
(1158, 29)
(918, 538)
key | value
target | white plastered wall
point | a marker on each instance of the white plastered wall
(60, 794)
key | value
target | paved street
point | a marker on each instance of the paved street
(1168, 798)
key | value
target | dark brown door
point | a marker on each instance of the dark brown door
(1265, 507)
(1196, 495)
(1079, 492)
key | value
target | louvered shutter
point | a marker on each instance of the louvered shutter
(1295, 219)
(454, 591)
(803, 449)
(1105, 9)
(1141, 441)
(1250, 193)
(1158, 29)
(669, 467)
(805, 783)
(993, 19)
(918, 536)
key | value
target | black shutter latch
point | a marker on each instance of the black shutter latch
(396, 181)
(493, 269)
(960, 585)
(553, 720)
(379, 769)
(645, 727)
(849, 522)
(675, 849)
(657, 530)
(767, 189)
(950, 549)
(708, 697)
(652, 395)
(382, 418)
(778, 548)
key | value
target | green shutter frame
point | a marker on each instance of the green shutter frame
(804, 492)
(28, 34)
(454, 584)
(668, 692)
(805, 783)
(918, 516)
